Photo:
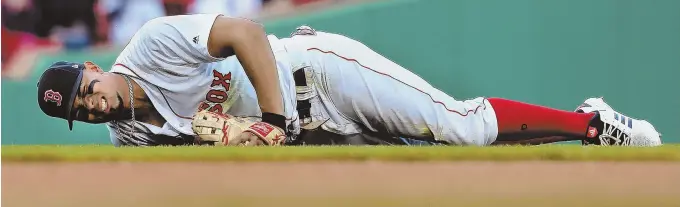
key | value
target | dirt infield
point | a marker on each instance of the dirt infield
(342, 184)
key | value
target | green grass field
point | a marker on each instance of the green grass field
(97, 153)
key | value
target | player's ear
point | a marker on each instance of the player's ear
(93, 67)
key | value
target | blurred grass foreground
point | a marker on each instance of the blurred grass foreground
(101, 153)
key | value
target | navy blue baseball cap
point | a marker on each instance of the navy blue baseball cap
(57, 89)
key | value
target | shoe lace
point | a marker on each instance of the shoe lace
(612, 135)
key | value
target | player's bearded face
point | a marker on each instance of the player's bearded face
(98, 99)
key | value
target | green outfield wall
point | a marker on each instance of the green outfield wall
(548, 52)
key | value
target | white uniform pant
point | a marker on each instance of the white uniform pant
(353, 86)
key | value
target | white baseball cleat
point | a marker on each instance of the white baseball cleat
(609, 127)
(592, 105)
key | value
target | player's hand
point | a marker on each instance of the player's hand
(246, 139)
(257, 134)
(263, 133)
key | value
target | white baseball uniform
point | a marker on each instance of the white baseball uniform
(350, 87)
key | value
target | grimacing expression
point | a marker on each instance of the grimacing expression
(97, 99)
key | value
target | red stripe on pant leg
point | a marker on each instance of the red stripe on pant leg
(474, 111)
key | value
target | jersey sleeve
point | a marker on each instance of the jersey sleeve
(180, 40)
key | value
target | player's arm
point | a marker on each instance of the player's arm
(247, 40)
(186, 41)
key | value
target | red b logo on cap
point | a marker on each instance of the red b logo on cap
(53, 97)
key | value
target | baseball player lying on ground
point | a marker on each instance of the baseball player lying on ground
(209, 78)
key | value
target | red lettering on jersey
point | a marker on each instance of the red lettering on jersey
(216, 96)
(219, 79)
(203, 106)
(53, 97)
(216, 108)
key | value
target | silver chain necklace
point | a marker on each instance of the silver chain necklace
(132, 107)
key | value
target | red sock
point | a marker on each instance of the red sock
(516, 117)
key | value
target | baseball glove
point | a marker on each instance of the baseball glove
(222, 129)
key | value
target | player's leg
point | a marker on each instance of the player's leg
(606, 127)
(369, 89)
(527, 123)
(361, 86)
